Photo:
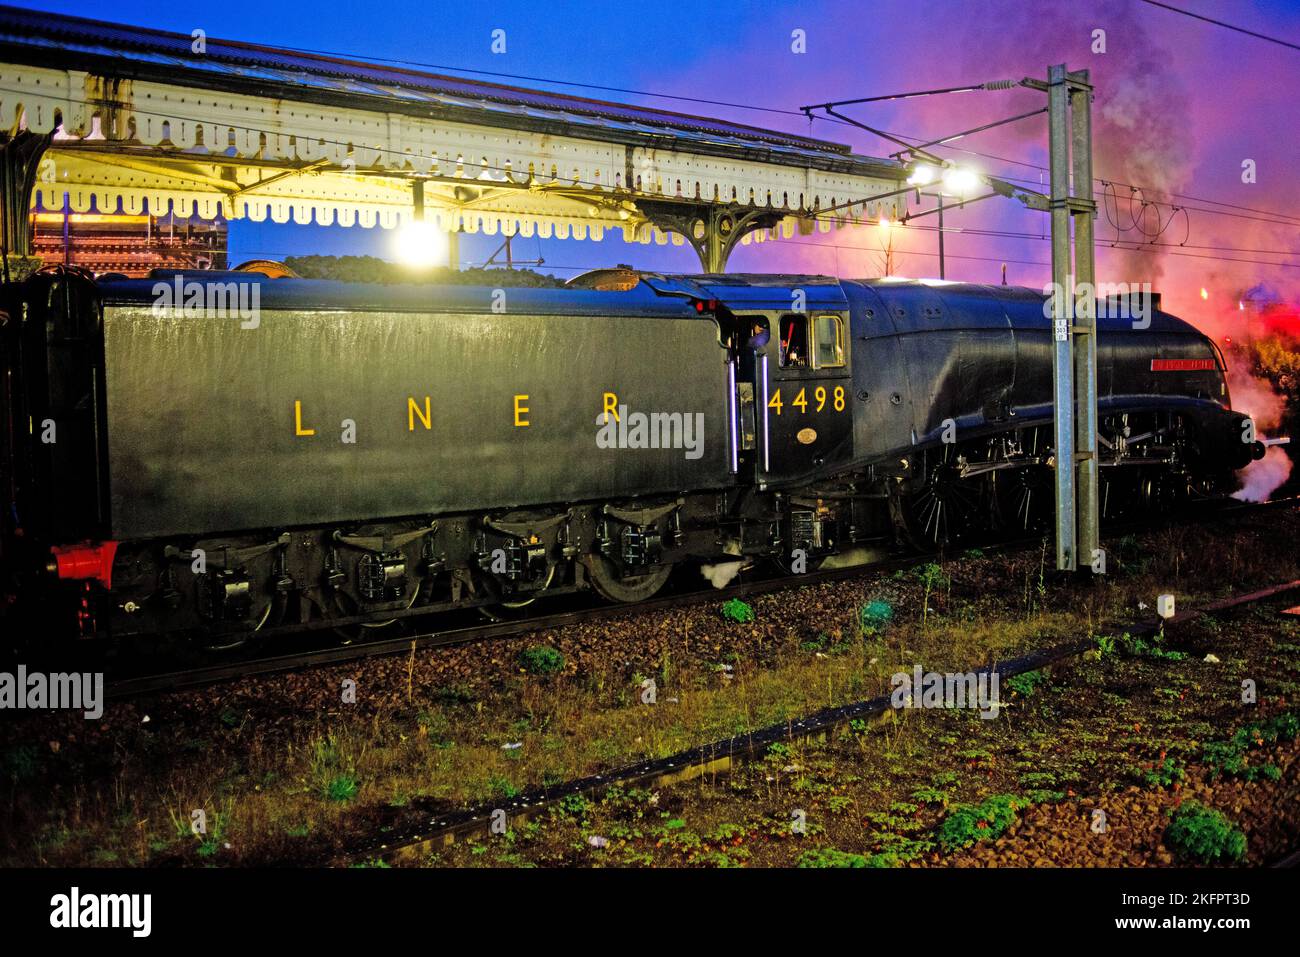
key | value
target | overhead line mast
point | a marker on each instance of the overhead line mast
(1070, 203)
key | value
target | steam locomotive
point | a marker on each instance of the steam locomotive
(225, 455)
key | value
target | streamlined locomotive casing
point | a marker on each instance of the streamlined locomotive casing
(980, 358)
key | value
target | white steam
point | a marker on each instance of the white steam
(720, 575)
(1260, 479)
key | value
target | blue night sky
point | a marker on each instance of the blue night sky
(1180, 104)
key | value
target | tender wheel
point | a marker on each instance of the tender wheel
(614, 586)
(343, 605)
(231, 640)
(512, 610)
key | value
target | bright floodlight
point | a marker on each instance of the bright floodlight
(420, 244)
(923, 175)
(960, 182)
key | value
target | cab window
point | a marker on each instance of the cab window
(794, 342)
(830, 342)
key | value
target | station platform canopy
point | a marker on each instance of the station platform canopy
(141, 120)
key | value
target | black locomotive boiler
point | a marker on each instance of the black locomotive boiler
(224, 454)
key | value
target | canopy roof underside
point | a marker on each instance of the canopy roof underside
(143, 123)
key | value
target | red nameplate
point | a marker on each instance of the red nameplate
(1182, 365)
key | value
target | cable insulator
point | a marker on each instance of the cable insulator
(1001, 84)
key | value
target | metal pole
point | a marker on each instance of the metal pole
(1062, 317)
(67, 230)
(1085, 356)
(941, 275)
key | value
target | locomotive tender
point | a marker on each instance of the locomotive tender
(355, 454)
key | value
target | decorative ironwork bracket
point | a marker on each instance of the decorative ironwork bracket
(20, 158)
(712, 231)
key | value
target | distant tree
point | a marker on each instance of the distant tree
(1275, 359)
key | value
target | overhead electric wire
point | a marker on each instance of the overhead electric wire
(876, 250)
(171, 115)
(1013, 234)
(757, 108)
(913, 94)
(541, 79)
(1221, 23)
(1122, 245)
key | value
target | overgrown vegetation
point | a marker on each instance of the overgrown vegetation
(1136, 646)
(985, 821)
(738, 611)
(541, 660)
(873, 617)
(295, 773)
(1232, 758)
(1202, 834)
(1027, 683)
(932, 578)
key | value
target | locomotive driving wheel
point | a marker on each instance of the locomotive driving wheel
(1027, 498)
(1025, 495)
(948, 507)
(1117, 491)
(615, 584)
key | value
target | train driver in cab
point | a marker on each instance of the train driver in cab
(794, 342)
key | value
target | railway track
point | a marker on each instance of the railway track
(723, 755)
(129, 686)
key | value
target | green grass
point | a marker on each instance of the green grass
(830, 857)
(738, 611)
(541, 660)
(1026, 684)
(342, 787)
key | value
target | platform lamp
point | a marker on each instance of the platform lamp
(954, 181)
(419, 244)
